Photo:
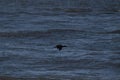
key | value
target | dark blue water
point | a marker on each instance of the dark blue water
(29, 30)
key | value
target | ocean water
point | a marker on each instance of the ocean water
(30, 29)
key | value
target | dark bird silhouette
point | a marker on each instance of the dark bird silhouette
(59, 46)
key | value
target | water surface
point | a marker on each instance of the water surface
(29, 30)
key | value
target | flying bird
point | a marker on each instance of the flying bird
(59, 46)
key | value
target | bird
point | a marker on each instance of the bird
(59, 47)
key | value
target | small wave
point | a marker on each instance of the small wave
(22, 34)
(7, 13)
(18, 12)
(113, 32)
(78, 10)
(47, 33)
(4, 59)
(19, 78)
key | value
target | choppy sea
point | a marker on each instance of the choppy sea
(30, 29)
